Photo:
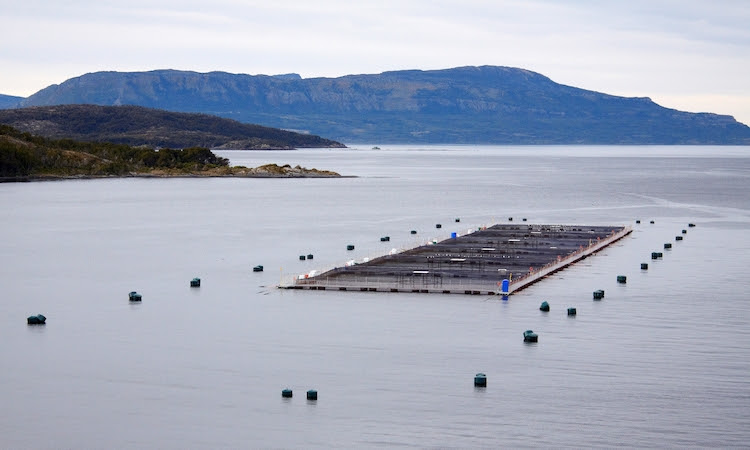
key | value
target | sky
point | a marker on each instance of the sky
(690, 55)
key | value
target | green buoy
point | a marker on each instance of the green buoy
(544, 307)
(530, 336)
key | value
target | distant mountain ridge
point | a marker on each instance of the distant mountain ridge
(479, 105)
(9, 101)
(141, 126)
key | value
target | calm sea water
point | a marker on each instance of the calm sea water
(662, 361)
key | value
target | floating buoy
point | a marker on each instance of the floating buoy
(437, 225)
(622, 279)
(691, 225)
(510, 219)
(637, 221)
(286, 393)
(644, 266)
(312, 394)
(385, 239)
(480, 380)
(598, 294)
(310, 256)
(134, 297)
(413, 231)
(524, 219)
(457, 220)
(684, 231)
(530, 336)
(258, 268)
(667, 245)
(678, 238)
(544, 307)
(38, 319)
(651, 221)
(195, 282)
(571, 311)
(350, 247)
(302, 257)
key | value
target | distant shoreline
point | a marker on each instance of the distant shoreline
(267, 171)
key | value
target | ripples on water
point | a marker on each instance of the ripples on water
(661, 362)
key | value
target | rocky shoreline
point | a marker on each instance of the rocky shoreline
(266, 171)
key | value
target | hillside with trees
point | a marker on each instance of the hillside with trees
(24, 156)
(140, 126)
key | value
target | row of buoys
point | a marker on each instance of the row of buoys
(544, 307)
(312, 394)
(667, 246)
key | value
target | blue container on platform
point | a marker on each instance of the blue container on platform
(453, 235)
(505, 285)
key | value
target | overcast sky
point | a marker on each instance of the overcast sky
(690, 55)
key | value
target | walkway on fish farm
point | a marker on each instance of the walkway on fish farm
(474, 263)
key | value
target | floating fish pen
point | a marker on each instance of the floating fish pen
(496, 260)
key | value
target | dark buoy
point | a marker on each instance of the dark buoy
(258, 268)
(691, 225)
(36, 320)
(571, 311)
(312, 394)
(622, 279)
(598, 294)
(678, 238)
(457, 220)
(530, 336)
(413, 231)
(480, 380)
(510, 219)
(134, 297)
(544, 307)
(644, 266)
(302, 257)
(350, 247)
(437, 225)
(637, 221)
(195, 282)
(524, 219)
(286, 393)
(310, 256)
(651, 221)
(667, 245)
(385, 239)
(684, 231)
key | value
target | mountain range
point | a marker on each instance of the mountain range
(471, 105)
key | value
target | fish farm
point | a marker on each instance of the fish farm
(496, 260)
